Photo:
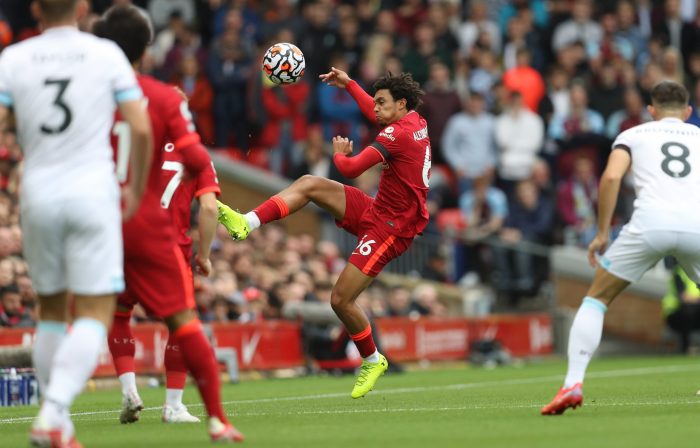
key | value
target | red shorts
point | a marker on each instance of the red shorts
(376, 245)
(157, 277)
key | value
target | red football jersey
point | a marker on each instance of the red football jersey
(403, 185)
(178, 193)
(170, 122)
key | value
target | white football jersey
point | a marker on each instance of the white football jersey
(666, 175)
(64, 86)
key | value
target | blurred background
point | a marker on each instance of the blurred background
(523, 99)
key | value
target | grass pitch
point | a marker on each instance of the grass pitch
(632, 402)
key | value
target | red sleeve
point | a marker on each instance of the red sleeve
(207, 182)
(363, 100)
(182, 133)
(195, 158)
(351, 167)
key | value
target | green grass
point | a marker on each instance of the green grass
(634, 402)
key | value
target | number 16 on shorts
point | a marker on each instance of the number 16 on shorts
(364, 247)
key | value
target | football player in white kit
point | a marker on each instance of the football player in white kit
(63, 87)
(663, 157)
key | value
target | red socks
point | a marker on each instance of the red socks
(175, 368)
(271, 210)
(121, 343)
(201, 363)
(364, 342)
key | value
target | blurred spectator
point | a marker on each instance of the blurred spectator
(577, 201)
(409, 15)
(187, 43)
(478, 22)
(695, 104)
(438, 17)
(557, 101)
(632, 115)
(426, 301)
(316, 157)
(349, 46)
(398, 301)
(468, 142)
(165, 38)
(440, 103)
(424, 50)
(200, 96)
(339, 113)
(580, 28)
(525, 80)
(280, 14)
(436, 267)
(529, 221)
(228, 69)
(519, 136)
(580, 119)
(628, 31)
(317, 38)
(12, 312)
(485, 75)
(607, 93)
(681, 307)
(670, 29)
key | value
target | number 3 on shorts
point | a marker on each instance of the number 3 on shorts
(364, 247)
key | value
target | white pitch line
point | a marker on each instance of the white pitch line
(605, 374)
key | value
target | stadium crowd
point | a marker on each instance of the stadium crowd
(523, 98)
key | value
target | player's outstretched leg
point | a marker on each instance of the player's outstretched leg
(174, 411)
(325, 193)
(122, 348)
(199, 358)
(584, 338)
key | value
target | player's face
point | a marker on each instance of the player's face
(386, 109)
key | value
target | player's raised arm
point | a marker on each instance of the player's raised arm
(340, 79)
(136, 116)
(618, 164)
(349, 166)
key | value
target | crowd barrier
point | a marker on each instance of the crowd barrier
(277, 344)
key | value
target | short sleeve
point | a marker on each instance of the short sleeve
(207, 182)
(5, 78)
(125, 87)
(498, 203)
(178, 119)
(387, 142)
(623, 141)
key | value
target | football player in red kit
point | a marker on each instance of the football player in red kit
(386, 225)
(155, 269)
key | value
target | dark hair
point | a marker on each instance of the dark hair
(669, 95)
(57, 9)
(401, 87)
(11, 288)
(128, 28)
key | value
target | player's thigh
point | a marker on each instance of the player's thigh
(94, 248)
(376, 247)
(160, 280)
(44, 247)
(355, 204)
(688, 254)
(327, 194)
(606, 286)
(632, 254)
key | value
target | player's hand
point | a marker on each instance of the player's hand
(342, 145)
(130, 203)
(597, 246)
(336, 78)
(203, 265)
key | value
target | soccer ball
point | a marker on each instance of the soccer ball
(284, 63)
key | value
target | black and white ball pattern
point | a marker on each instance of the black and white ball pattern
(284, 63)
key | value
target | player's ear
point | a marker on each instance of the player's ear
(402, 103)
(35, 10)
(82, 9)
(652, 111)
(688, 111)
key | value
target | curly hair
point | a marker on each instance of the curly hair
(401, 86)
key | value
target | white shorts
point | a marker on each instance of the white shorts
(632, 254)
(74, 245)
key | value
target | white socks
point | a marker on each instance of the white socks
(173, 397)
(373, 358)
(252, 220)
(73, 364)
(128, 381)
(49, 335)
(584, 338)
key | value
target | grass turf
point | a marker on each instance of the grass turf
(634, 402)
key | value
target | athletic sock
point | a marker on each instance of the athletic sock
(175, 373)
(201, 362)
(584, 338)
(123, 349)
(73, 364)
(271, 210)
(49, 335)
(252, 220)
(365, 343)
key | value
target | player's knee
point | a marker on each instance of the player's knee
(339, 301)
(309, 184)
